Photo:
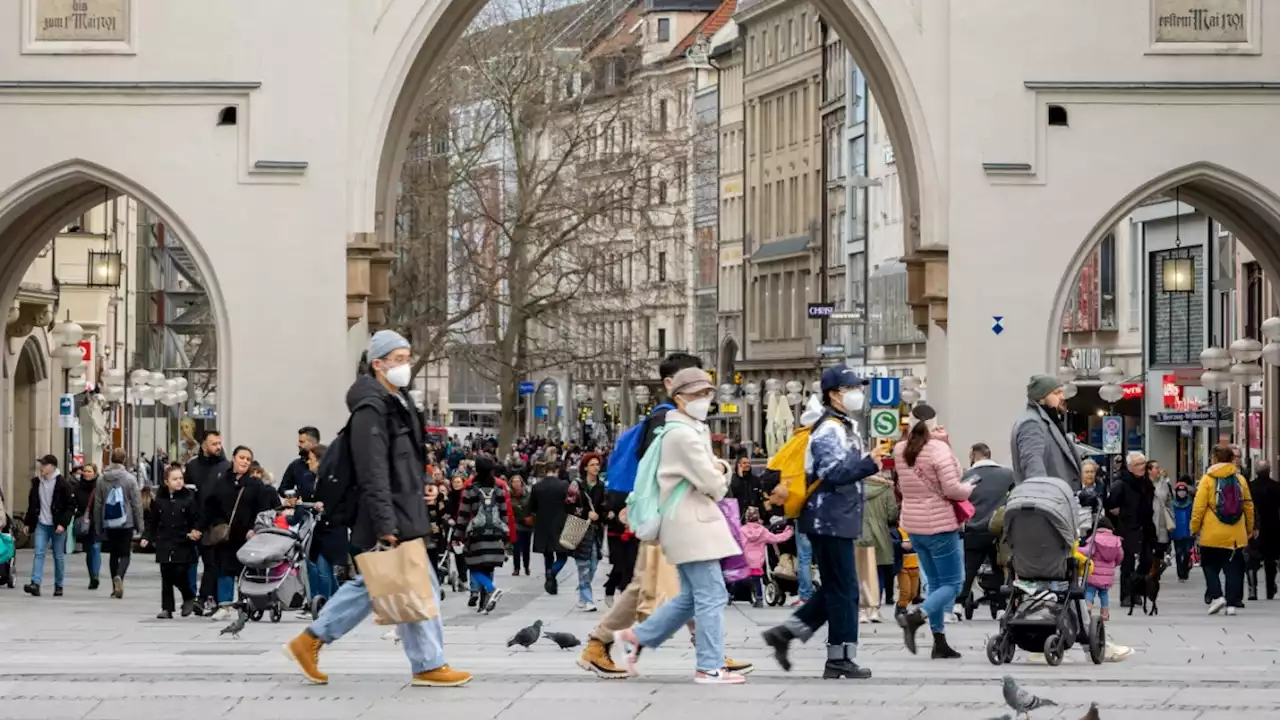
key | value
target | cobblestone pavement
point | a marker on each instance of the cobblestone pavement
(86, 656)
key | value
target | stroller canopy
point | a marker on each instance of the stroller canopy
(1051, 496)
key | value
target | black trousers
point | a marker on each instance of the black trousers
(836, 602)
(553, 561)
(1217, 562)
(1137, 560)
(622, 563)
(175, 576)
(209, 578)
(976, 552)
(520, 554)
(887, 576)
(119, 547)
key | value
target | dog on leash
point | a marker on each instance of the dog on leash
(1146, 588)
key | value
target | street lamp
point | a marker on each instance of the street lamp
(104, 269)
(67, 335)
(909, 391)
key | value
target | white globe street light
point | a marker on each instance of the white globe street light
(1246, 350)
(1245, 373)
(1271, 329)
(1111, 393)
(772, 385)
(1111, 375)
(1066, 374)
(1215, 380)
(911, 382)
(1215, 358)
(794, 387)
(910, 396)
(1069, 390)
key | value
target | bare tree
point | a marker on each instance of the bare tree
(539, 194)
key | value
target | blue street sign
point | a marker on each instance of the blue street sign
(885, 392)
(997, 325)
(540, 412)
(526, 388)
(66, 405)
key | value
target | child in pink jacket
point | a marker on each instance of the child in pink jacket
(754, 537)
(1106, 552)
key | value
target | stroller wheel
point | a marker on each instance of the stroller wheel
(277, 612)
(255, 615)
(1053, 650)
(1097, 641)
(969, 606)
(995, 650)
(773, 595)
(317, 604)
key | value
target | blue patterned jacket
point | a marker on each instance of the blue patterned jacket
(835, 457)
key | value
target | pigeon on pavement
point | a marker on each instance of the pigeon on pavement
(236, 625)
(1093, 713)
(1022, 701)
(563, 639)
(526, 636)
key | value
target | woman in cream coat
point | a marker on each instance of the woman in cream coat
(694, 534)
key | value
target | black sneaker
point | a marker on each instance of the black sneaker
(93, 583)
(165, 615)
(551, 586)
(779, 638)
(474, 599)
(31, 589)
(844, 669)
(482, 601)
(911, 623)
(191, 607)
(57, 592)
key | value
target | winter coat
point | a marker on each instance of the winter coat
(547, 505)
(1182, 513)
(203, 471)
(991, 485)
(220, 506)
(112, 477)
(880, 510)
(1204, 521)
(299, 478)
(171, 517)
(1134, 497)
(1106, 551)
(693, 529)
(754, 538)
(582, 508)
(1266, 509)
(597, 494)
(389, 458)
(62, 507)
(1042, 449)
(485, 552)
(520, 511)
(835, 462)
(84, 491)
(930, 488)
(1162, 508)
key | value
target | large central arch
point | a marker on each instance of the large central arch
(35, 208)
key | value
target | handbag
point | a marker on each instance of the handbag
(575, 528)
(786, 567)
(734, 567)
(219, 533)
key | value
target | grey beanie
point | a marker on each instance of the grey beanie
(385, 342)
(1039, 387)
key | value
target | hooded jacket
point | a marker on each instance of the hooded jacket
(1204, 521)
(171, 518)
(1134, 497)
(880, 510)
(754, 539)
(1182, 511)
(1106, 551)
(116, 476)
(388, 455)
(835, 459)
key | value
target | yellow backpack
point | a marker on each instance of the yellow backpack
(789, 464)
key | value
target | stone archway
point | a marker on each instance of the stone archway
(35, 208)
(29, 406)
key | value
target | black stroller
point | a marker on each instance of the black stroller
(1046, 611)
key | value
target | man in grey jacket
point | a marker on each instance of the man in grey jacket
(1041, 447)
(119, 514)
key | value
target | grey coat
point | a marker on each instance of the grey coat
(1042, 449)
(1162, 508)
(118, 476)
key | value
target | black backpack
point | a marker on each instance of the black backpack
(336, 481)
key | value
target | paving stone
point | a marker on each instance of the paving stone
(147, 708)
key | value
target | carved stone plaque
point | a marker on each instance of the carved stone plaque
(81, 20)
(1201, 21)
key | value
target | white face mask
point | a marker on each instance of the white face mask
(399, 375)
(853, 401)
(698, 409)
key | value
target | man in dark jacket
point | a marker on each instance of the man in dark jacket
(298, 476)
(202, 473)
(547, 505)
(991, 485)
(389, 463)
(1266, 520)
(1131, 505)
(50, 507)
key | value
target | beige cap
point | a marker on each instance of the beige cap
(690, 381)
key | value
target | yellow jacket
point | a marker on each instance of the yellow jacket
(1204, 521)
(910, 561)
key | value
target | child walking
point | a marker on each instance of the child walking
(171, 529)
(908, 576)
(1183, 541)
(754, 538)
(1106, 552)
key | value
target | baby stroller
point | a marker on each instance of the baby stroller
(780, 569)
(992, 592)
(1046, 597)
(447, 571)
(274, 576)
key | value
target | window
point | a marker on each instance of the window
(764, 42)
(662, 116)
(780, 123)
(662, 268)
(664, 30)
(804, 28)
(1107, 284)
(662, 192)
(682, 172)
(795, 119)
(662, 342)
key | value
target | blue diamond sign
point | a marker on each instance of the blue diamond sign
(997, 325)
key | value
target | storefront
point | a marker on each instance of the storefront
(1182, 422)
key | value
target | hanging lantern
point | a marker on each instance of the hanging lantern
(1271, 353)
(1070, 390)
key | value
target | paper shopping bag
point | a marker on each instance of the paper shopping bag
(868, 577)
(400, 582)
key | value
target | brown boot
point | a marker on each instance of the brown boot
(737, 666)
(305, 651)
(443, 676)
(595, 658)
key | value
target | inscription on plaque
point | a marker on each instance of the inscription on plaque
(1201, 21)
(81, 20)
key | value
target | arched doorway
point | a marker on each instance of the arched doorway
(157, 294)
(29, 404)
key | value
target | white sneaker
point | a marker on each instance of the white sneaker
(589, 607)
(958, 611)
(390, 636)
(222, 613)
(608, 601)
(1117, 653)
(304, 615)
(863, 618)
(1216, 606)
(874, 616)
(718, 677)
(1231, 611)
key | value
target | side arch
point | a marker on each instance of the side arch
(35, 208)
(35, 350)
(1245, 207)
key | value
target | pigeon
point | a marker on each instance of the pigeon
(1093, 713)
(1022, 701)
(236, 625)
(563, 639)
(527, 636)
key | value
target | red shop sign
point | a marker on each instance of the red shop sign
(1171, 391)
(1133, 390)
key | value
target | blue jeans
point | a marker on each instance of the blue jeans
(804, 565)
(1091, 592)
(44, 537)
(192, 577)
(226, 589)
(481, 581)
(92, 557)
(942, 560)
(702, 598)
(586, 574)
(423, 642)
(320, 578)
